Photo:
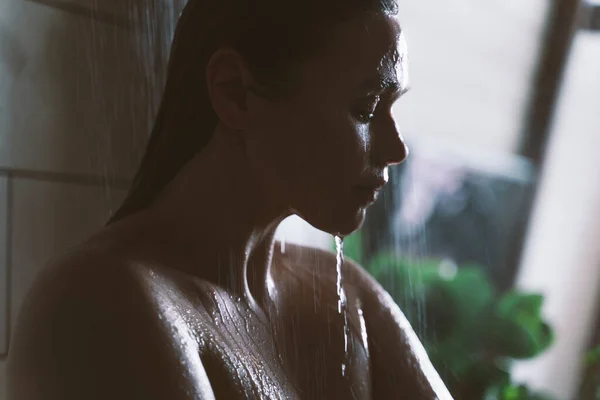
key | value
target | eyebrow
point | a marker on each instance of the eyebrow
(373, 86)
(380, 83)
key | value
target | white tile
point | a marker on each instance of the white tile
(76, 95)
(3, 269)
(48, 218)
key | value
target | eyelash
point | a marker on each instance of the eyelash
(367, 116)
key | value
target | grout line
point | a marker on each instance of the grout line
(8, 260)
(83, 11)
(64, 177)
(8, 257)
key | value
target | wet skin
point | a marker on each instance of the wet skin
(193, 299)
(100, 327)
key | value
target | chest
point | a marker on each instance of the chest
(298, 345)
(296, 349)
(237, 350)
(321, 339)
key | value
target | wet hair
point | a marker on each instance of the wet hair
(273, 36)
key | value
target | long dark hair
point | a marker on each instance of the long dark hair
(273, 36)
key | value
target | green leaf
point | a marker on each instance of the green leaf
(449, 304)
(472, 293)
(514, 392)
(471, 334)
(523, 305)
(517, 330)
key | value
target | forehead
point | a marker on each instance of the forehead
(363, 50)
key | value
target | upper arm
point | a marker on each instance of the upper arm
(89, 333)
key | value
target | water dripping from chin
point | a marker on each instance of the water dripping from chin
(342, 300)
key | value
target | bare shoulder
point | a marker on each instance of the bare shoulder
(86, 282)
(89, 329)
(400, 363)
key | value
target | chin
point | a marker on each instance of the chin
(340, 224)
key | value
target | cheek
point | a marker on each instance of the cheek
(330, 146)
(311, 151)
(347, 144)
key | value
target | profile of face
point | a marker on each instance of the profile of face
(324, 149)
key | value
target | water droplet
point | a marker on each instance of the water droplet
(363, 329)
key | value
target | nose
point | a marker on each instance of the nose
(390, 147)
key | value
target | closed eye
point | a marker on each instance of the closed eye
(365, 110)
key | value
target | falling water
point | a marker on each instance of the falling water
(342, 304)
(410, 242)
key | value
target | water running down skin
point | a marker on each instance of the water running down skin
(191, 297)
(157, 333)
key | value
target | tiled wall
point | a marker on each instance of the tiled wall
(4, 303)
(78, 91)
(45, 217)
(77, 94)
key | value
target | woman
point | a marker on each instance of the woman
(184, 295)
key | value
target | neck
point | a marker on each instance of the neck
(219, 220)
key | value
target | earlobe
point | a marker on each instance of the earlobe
(227, 82)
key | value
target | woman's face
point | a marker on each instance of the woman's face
(325, 149)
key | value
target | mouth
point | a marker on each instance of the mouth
(368, 189)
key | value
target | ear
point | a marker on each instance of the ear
(228, 80)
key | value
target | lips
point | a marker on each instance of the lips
(378, 185)
(368, 188)
(373, 184)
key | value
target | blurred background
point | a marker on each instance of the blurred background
(488, 237)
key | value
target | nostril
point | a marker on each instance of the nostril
(399, 154)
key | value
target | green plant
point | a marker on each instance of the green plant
(471, 333)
